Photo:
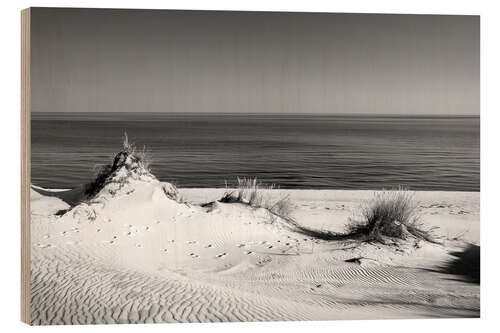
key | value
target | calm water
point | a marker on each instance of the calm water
(292, 151)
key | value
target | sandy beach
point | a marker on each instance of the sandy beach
(183, 166)
(141, 252)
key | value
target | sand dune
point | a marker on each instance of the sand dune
(134, 253)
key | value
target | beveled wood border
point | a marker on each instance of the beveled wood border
(25, 163)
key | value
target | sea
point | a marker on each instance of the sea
(290, 151)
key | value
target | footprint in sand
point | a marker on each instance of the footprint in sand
(248, 252)
(138, 245)
(221, 255)
(264, 261)
(46, 236)
(208, 246)
(241, 245)
(193, 255)
(98, 230)
(164, 250)
(191, 242)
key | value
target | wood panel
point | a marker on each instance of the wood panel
(25, 163)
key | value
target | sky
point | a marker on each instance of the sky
(103, 60)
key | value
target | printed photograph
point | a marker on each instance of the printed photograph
(225, 166)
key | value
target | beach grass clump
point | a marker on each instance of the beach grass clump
(390, 215)
(129, 160)
(141, 158)
(249, 191)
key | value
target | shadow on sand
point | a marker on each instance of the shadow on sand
(71, 197)
(466, 264)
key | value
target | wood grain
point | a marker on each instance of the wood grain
(25, 163)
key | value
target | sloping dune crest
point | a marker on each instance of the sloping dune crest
(132, 251)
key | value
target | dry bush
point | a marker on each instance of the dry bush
(391, 214)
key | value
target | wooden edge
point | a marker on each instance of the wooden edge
(25, 163)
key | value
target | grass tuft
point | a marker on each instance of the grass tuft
(390, 215)
(129, 158)
(249, 191)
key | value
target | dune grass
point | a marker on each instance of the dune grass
(391, 215)
(129, 157)
(249, 191)
(141, 157)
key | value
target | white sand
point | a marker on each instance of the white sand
(139, 256)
